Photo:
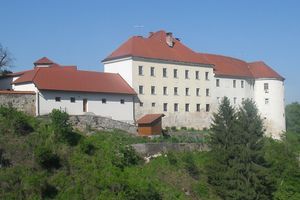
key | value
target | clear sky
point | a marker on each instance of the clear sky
(83, 32)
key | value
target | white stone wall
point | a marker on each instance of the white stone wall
(271, 105)
(122, 67)
(111, 109)
(24, 87)
(238, 93)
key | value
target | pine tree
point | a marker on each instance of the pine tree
(238, 170)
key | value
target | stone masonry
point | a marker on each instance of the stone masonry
(21, 101)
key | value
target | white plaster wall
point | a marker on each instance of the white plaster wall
(5, 83)
(226, 89)
(122, 67)
(24, 87)
(112, 109)
(181, 118)
(273, 113)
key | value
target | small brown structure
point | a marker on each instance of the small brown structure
(150, 124)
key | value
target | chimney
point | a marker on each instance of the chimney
(150, 34)
(169, 39)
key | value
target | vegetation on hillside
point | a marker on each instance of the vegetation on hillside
(42, 159)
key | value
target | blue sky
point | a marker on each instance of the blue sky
(84, 32)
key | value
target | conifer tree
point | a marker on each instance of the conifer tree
(238, 170)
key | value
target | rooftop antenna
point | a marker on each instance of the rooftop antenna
(139, 28)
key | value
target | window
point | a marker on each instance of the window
(187, 107)
(164, 72)
(187, 91)
(242, 84)
(165, 107)
(197, 91)
(218, 99)
(186, 74)
(175, 107)
(165, 91)
(175, 73)
(207, 107)
(141, 104)
(198, 107)
(57, 99)
(234, 100)
(72, 99)
(197, 75)
(206, 76)
(175, 90)
(267, 101)
(103, 101)
(234, 83)
(153, 104)
(152, 90)
(207, 92)
(122, 101)
(141, 70)
(152, 71)
(141, 89)
(218, 82)
(266, 87)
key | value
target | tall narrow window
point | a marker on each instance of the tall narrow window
(165, 91)
(175, 73)
(218, 82)
(122, 101)
(186, 74)
(187, 107)
(234, 83)
(197, 75)
(152, 71)
(198, 107)
(72, 99)
(267, 101)
(206, 76)
(152, 90)
(242, 84)
(197, 91)
(141, 104)
(176, 91)
(207, 107)
(164, 72)
(141, 70)
(187, 91)
(153, 104)
(234, 100)
(175, 107)
(207, 92)
(266, 87)
(141, 89)
(103, 101)
(165, 107)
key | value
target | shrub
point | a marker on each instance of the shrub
(48, 191)
(173, 128)
(172, 158)
(191, 167)
(4, 162)
(183, 128)
(87, 147)
(126, 157)
(46, 158)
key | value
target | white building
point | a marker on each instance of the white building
(186, 86)
(74, 91)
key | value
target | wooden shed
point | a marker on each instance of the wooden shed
(150, 124)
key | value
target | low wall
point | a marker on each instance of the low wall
(83, 122)
(22, 101)
(148, 149)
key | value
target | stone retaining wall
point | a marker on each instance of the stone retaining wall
(21, 101)
(84, 122)
(148, 149)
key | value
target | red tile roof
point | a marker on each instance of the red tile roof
(228, 66)
(149, 118)
(69, 79)
(155, 47)
(260, 69)
(43, 60)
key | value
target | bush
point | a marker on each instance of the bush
(172, 158)
(15, 121)
(173, 128)
(183, 128)
(46, 158)
(87, 147)
(126, 157)
(191, 167)
(4, 162)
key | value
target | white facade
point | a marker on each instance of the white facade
(149, 73)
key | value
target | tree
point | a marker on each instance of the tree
(292, 112)
(238, 169)
(5, 58)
